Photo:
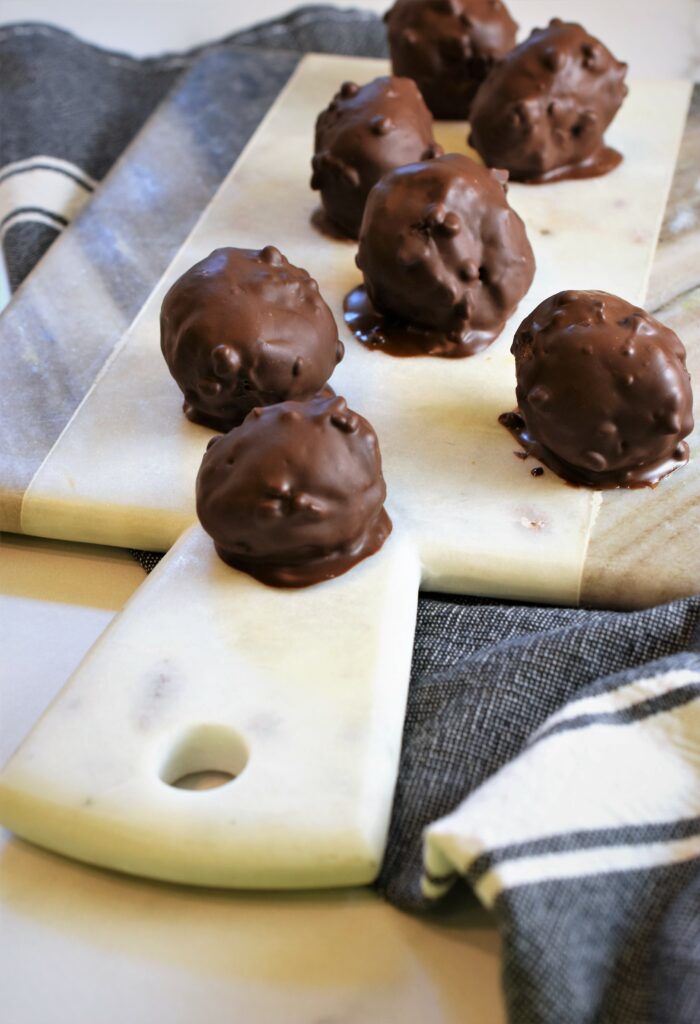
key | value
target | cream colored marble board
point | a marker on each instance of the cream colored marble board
(301, 695)
(123, 471)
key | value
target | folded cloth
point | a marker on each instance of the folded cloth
(551, 757)
(580, 826)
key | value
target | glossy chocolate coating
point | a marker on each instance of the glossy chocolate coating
(441, 248)
(448, 47)
(543, 111)
(244, 328)
(603, 393)
(295, 494)
(365, 132)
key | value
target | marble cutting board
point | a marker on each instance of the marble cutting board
(300, 695)
(122, 470)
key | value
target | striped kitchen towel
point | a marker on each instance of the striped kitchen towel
(551, 760)
(551, 756)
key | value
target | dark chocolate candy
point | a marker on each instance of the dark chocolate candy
(543, 111)
(444, 258)
(295, 494)
(448, 47)
(244, 328)
(365, 132)
(603, 392)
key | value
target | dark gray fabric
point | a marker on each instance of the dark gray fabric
(24, 244)
(485, 677)
(673, 956)
(72, 101)
(591, 952)
(65, 99)
(616, 949)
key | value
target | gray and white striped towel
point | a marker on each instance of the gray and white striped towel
(551, 757)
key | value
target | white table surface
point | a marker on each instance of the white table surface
(82, 945)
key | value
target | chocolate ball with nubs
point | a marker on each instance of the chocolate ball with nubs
(440, 247)
(295, 494)
(448, 47)
(542, 112)
(603, 391)
(366, 131)
(243, 328)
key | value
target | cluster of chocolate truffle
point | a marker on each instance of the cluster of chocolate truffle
(445, 259)
(538, 110)
(293, 494)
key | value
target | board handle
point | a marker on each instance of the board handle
(293, 699)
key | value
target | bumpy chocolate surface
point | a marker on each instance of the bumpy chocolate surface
(365, 132)
(448, 47)
(543, 111)
(442, 253)
(603, 393)
(244, 328)
(295, 494)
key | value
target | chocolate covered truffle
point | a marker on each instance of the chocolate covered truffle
(295, 494)
(365, 132)
(603, 393)
(445, 260)
(543, 111)
(448, 47)
(242, 328)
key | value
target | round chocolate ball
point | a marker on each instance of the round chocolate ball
(440, 247)
(295, 494)
(242, 328)
(448, 47)
(543, 111)
(603, 392)
(365, 132)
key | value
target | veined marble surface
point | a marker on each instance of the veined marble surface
(501, 531)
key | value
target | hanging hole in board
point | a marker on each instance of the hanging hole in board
(202, 780)
(205, 757)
